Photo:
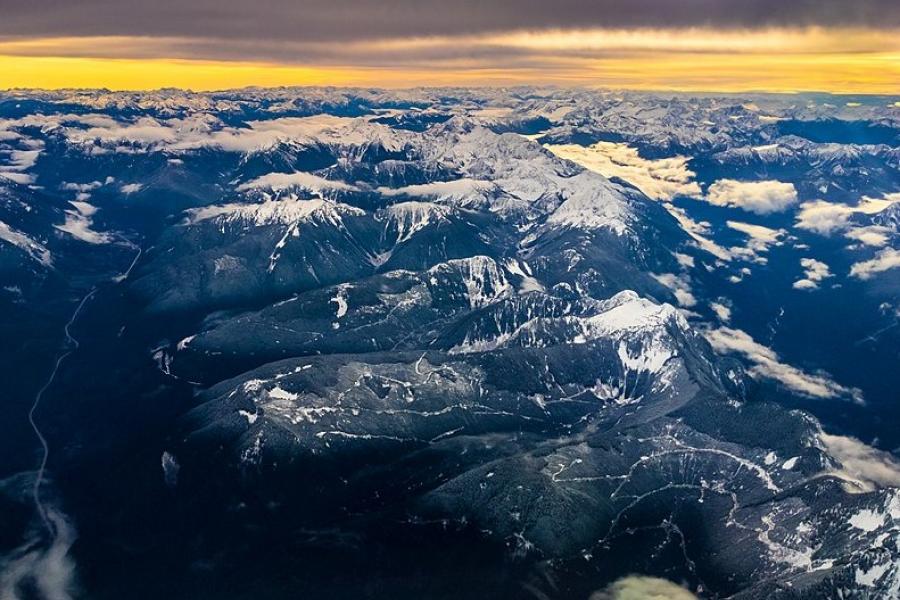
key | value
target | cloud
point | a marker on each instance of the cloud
(887, 259)
(278, 182)
(698, 230)
(50, 570)
(229, 45)
(79, 223)
(196, 132)
(347, 20)
(660, 179)
(41, 567)
(766, 363)
(262, 134)
(680, 286)
(814, 272)
(19, 161)
(639, 587)
(828, 218)
(761, 238)
(862, 464)
(824, 217)
(652, 44)
(81, 187)
(761, 197)
(143, 131)
(20, 178)
(722, 310)
(685, 260)
(871, 235)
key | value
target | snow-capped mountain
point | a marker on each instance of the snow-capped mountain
(432, 343)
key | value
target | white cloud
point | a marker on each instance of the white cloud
(698, 232)
(814, 272)
(680, 286)
(828, 218)
(639, 587)
(100, 133)
(871, 235)
(824, 217)
(284, 181)
(21, 178)
(761, 197)
(143, 131)
(327, 129)
(763, 235)
(456, 191)
(862, 464)
(79, 221)
(685, 260)
(131, 188)
(660, 179)
(49, 571)
(887, 259)
(21, 160)
(81, 187)
(805, 284)
(766, 363)
(722, 311)
(760, 239)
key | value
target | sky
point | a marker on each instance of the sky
(691, 45)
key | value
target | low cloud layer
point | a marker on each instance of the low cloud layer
(868, 467)
(637, 587)
(41, 566)
(760, 239)
(680, 286)
(660, 179)
(853, 222)
(814, 272)
(887, 259)
(761, 197)
(766, 363)
(863, 224)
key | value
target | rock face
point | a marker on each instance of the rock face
(394, 345)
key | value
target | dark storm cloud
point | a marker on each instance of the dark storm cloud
(342, 20)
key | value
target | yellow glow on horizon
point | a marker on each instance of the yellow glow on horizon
(777, 60)
(147, 74)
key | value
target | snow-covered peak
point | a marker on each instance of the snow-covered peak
(484, 279)
(592, 202)
(626, 318)
(408, 218)
(628, 312)
(319, 129)
(526, 171)
(889, 217)
(32, 248)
